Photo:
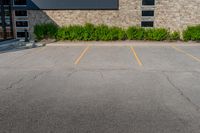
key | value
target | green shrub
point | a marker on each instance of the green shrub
(116, 33)
(74, 32)
(135, 33)
(62, 34)
(44, 31)
(88, 32)
(112, 34)
(122, 34)
(156, 34)
(174, 35)
(101, 33)
(192, 33)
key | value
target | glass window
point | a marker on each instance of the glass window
(148, 2)
(6, 29)
(7, 21)
(147, 13)
(0, 18)
(0, 22)
(6, 2)
(147, 23)
(21, 23)
(7, 16)
(21, 13)
(21, 34)
(19, 2)
(7, 12)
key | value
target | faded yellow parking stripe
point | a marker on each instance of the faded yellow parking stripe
(81, 55)
(136, 56)
(188, 54)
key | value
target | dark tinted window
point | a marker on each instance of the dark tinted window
(20, 13)
(19, 2)
(21, 34)
(0, 22)
(0, 19)
(6, 2)
(147, 23)
(147, 13)
(148, 2)
(21, 23)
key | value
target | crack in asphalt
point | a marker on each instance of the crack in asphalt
(102, 76)
(78, 70)
(71, 73)
(181, 92)
(108, 69)
(38, 75)
(14, 84)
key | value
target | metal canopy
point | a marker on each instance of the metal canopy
(73, 4)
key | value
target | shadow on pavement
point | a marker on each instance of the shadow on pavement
(19, 48)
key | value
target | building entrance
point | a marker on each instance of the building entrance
(6, 26)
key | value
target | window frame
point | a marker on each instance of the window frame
(21, 16)
(147, 26)
(19, 5)
(23, 21)
(148, 4)
(143, 13)
(17, 31)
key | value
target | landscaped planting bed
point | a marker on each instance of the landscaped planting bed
(90, 32)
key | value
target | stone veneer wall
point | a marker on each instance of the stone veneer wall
(129, 13)
(172, 14)
(177, 14)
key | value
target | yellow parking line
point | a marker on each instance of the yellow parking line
(136, 56)
(188, 54)
(81, 55)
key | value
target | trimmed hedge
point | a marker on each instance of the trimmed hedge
(156, 34)
(44, 31)
(70, 33)
(105, 33)
(135, 33)
(192, 33)
(90, 32)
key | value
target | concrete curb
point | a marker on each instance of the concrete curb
(9, 44)
(19, 45)
(121, 43)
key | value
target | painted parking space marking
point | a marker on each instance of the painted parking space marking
(136, 56)
(186, 53)
(81, 55)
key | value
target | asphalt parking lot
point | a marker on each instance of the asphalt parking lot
(101, 89)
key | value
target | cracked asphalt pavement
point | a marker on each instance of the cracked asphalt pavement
(43, 90)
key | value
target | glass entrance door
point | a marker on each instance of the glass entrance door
(6, 27)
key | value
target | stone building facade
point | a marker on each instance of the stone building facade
(170, 14)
